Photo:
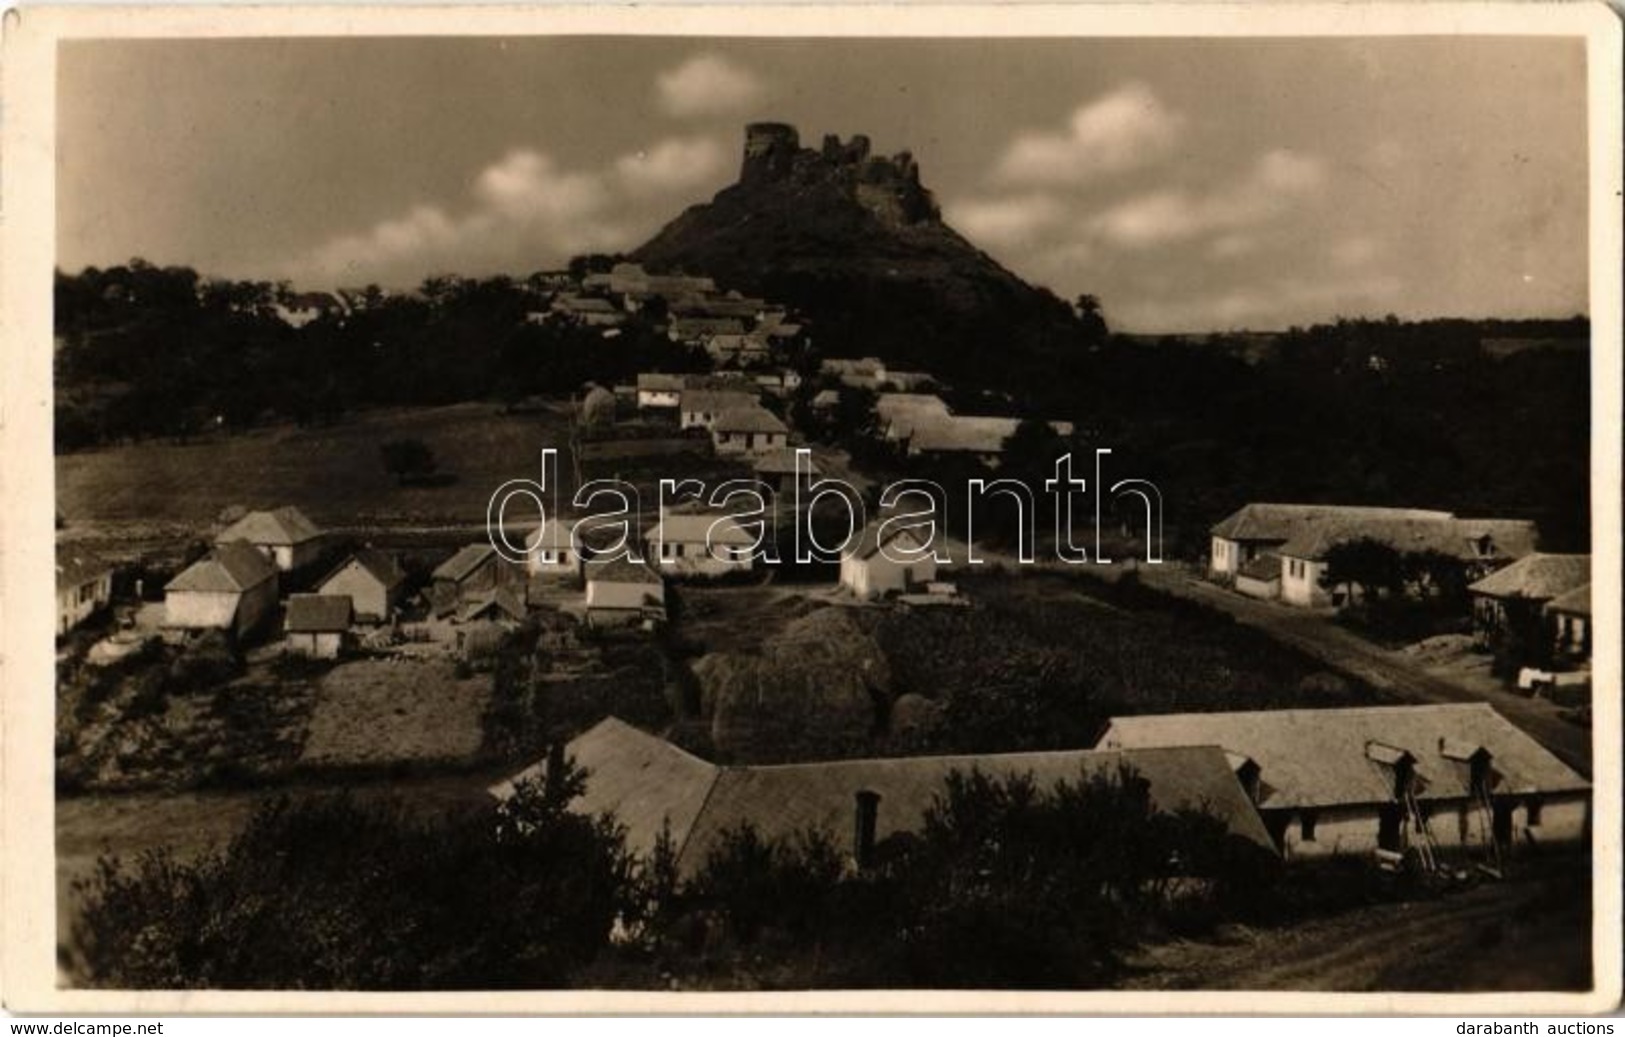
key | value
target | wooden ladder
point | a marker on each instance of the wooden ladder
(1426, 846)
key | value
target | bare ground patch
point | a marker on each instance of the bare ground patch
(380, 711)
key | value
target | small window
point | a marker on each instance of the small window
(1306, 825)
(1533, 810)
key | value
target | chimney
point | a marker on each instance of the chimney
(554, 778)
(863, 836)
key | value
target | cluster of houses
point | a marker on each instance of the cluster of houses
(236, 587)
(735, 330)
(1279, 552)
(1395, 781)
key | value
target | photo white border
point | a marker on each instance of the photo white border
(27, 202)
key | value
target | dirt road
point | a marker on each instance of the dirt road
(1316, 635)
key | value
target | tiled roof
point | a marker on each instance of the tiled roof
(1265, 567)
(460, 565)
(1537, 576)
(781, 461)
(749, 419)
(229, 568)
(716, 401)
(1320, 757)
(651, 381)
(551, 535)
(619, 569)
(694, 527)
(318, 613)
(380, 565)
(1575, 602)
(282, 527)
(1281, 522)
(76, 567)
(651, 785)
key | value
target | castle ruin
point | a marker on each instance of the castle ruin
(887, 186)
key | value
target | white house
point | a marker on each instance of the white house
(1350, 781)
(704, 543)
(620, 592)
(233, 589)
(551, 550)
(284, 534)
(372, 580)
(869, 572)
(1537, 578)
(84, 586)
(659, 391)
(749, 430)
(701, 407)
(316, 624)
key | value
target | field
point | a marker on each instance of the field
(381, 711)
(332, 472)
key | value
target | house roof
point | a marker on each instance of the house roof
(1266, 566)
(281, 527)
(76, 567)
(1576, 602)
(1467, 539)
(1538, 576)
(707, 326)
(870, 540)
(716, 401)
(651, 785)
(955, 433)
(459, 566)
(587, 304)
(1322, 757)
(826, 398)
(781, 461)
(318, 613)
(551, 535)
(653, 381)
(229, 568)
(505, 600)
(892, 405)
(619, 569)
(380, 565)
(1281, 522)
(749, 419)
(694, 527)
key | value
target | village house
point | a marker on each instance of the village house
(233, 588)
(284, 535)
(1482, 544)
(776, 469)
(869, 572)
(694, 331)
(1295, 538)
(1570, 617)
(1537, 579)
(589, 310)
(660, 391)
(981, 438)
(1352, 781)
(470, 576)
(749, 430)
(371, 579)
(776, 326)
(551, 550)
(701, 407)
(825, 401)
(897, 413)
(84, 586)
(621, 592)
(657, 791)
(856, 373)
(691, 542)
(781, 383)
(737, 350)
(315, 624)
(728, 305)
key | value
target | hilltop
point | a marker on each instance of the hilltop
(857, 241)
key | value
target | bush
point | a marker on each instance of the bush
(328, 894)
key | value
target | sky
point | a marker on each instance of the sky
(1187, 184)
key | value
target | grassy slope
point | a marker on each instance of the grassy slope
(332, 472)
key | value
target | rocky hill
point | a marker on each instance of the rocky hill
(857, 242)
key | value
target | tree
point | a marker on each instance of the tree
(1371, 565)
(408, 459)
(1091, 321)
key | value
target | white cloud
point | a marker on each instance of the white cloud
(523, 211)
(707, 85)
(673, 164)
(1278, 183)
(1005, 222)
(1125, 129)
